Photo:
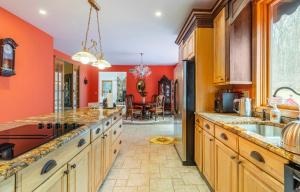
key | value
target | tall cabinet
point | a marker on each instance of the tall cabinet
(165, 88)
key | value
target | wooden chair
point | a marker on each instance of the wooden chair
(131, 110)
(159, 107)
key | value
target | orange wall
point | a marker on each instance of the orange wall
(151, 81)
(30, 91)
(84, 69)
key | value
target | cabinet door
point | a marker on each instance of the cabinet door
(107, 151)
(8, 185)
(219, 47)
(80, 172)
(58, 182)
(226, 168)
(97, 163)
(252, 179)
(191, 46)
(208, 158)
(198, 147)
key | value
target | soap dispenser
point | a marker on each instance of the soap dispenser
(275, 114)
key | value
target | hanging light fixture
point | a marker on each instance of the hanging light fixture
(84, 56)
(101, 63)
(141, 71)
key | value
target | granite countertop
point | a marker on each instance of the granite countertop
(231, 122)
(88, 117)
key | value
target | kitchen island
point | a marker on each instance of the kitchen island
(84, 154)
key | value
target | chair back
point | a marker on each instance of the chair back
(153, 98)
(129, 99)
(160, 102)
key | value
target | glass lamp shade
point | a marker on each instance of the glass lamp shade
(104, 63)
(84, 57)
(98, 65)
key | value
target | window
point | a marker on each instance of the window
(284, 53)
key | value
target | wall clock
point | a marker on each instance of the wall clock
(7, 57)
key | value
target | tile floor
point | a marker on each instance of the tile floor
(145, 167)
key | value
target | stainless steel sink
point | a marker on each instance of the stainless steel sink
(271, 134)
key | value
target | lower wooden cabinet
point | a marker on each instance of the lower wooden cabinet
(107, 148)
(56, 183)
(97, 163)
(8, 185)
(208, 158)
(80, 171)
(226, 168)
(198, 147)
(253, 179)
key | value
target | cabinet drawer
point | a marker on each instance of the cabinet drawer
(116, 148)
(209, 127)
(31, 177)
(107, 124)
(198, 121)
(117, 130)
(96, 131)
(267, 161)
(116, 117)
(226, 137)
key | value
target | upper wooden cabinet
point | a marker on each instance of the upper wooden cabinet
(219, 47)
(189, 47)
(233, 44)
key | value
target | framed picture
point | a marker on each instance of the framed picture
(107, 86)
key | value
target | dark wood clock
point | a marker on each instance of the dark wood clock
(7, 57)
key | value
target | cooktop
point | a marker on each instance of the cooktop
(18, 140)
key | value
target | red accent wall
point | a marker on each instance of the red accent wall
(151, 81)
(84, 69)
(30, 91)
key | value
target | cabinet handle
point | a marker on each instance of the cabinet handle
(239, 162)
(120, 126)
(120, 114)
(107, 123)
(224, 136)
(48, 166)
(120, 142)
(207, 126)
(211, 139)
(197, 120)
(73, 166)
(115, 132)
(66, 172)
(115, 118)
(257, 156)
(98, 131)
(81, 143)
(232, 157)
(115, 151)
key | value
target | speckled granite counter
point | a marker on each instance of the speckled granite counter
(231, 121)
(88, 117)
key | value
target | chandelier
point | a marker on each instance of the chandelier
(86, 56)
(141, 71)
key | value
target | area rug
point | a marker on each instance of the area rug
(160, 120)
(162, 140)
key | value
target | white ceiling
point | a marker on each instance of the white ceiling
(128, 26)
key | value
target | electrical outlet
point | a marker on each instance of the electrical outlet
(246, 93)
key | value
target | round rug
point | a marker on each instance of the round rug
(162, 140)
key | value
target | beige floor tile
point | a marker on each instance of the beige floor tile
(163, 185)
(192, 179)
(121, 183)
(125, 189)
(138, 180)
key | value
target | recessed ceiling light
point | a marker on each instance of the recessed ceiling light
(42, 12)
(158, 14)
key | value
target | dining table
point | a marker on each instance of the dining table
(145, 108)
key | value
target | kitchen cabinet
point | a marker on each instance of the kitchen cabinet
(198, 147)
(189, 47)
(80, 172)
(56, 183)
(208, 158)
(226, 168)
(97, 163)
(107, 151)
(219, 47)
(8, 185)
(254, 179)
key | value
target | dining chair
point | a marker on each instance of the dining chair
(131, 110)
(159, 107)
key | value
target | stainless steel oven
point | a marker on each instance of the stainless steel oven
(292, 178)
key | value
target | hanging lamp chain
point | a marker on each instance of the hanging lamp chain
(99, 34)
(88, 28)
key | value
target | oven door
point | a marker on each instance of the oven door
(292, 178)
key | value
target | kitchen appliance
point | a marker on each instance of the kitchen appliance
(224, 101)
(18, 140)
(292, 178)
(184, 101)
(291, 137)
(243, 106)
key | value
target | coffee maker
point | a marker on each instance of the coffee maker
(224, 101)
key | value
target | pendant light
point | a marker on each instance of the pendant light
(101, 63)
(141, 71)
(84, 56)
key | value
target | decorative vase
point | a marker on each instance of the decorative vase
(144, 100)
